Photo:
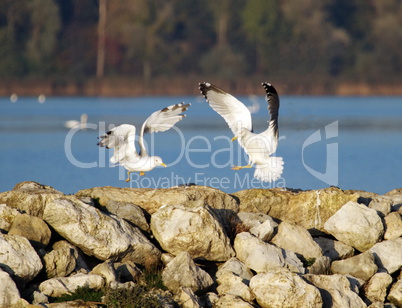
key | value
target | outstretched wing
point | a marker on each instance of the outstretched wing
(235, 113)
(272, 98)
(162, 120)
(121, 140)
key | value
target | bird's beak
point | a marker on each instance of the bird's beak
(234, 138)
(163, 164)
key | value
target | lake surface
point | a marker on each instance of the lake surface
(349, 142)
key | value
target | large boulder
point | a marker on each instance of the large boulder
(9, 294)
(356, 225)
(30, 197)
(309, 209)
(97, 234)
(376, 288)
(388, 254)
(195, 230)
(283, 289)
(360, 266)
(152, 199)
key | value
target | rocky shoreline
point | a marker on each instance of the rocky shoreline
(253, 248)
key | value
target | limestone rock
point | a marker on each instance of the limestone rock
(395, 294)
(106, 270)
(32, 228)
(382, 204)
(356, 225)
(334, 249)
(336, 291)
(297, 239)
(63, 260)
(260, 225)
(259, 255)
(321, 266)
(56, 287)
(18, 258)
(30, 197)
(360, 266)
(230, 300)
(187, 298)
(388, 254)
(229, 283)
(309, 209)
(152, 199)
(7, 215)
(183, 272)
(235, 266)
(393, 226)
(130, 212)
(97, 234)
(376, 289)
(127, 271)
(196, 231)
(284, 289)
(9, 294)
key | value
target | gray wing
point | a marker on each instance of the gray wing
(272, 98)
(121, 140)
(161, 121)
(234, 112)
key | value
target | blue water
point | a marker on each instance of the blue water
(349, 142)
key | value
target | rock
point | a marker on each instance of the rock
(361, 266)
(183, 272)
(179, 229)
(335, 291)
(388, 255)
(9, 294)
(229, 300)
(18, 258)
(284, 289)
(152, 199)
(30, 197)
(209, 300)
(7, 215)
(382, 204)
(259, 225)
(376, 289)
(63, 260)
(229, 283)
(297, 239)
(235, 266)
(309, 209)
(97, 234)
(259, 255)
(56, 287)
(32, 228)
(393, 226)
(106, 270)
(395, 294)
(321, 266)
(130, 212)
(187, 298)
(127, 271)
(334, 249)
(355, 225)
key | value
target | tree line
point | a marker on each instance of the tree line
(293, 41)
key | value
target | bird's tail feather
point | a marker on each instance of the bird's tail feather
(270, 171)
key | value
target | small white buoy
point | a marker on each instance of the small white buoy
(41, 98)
(13, 97)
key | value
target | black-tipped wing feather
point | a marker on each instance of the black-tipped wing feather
(272, 98)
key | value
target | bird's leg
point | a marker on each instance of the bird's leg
(234, 138)
(241, 167)
(128, 176)
(142, 173)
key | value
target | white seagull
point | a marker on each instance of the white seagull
(258, 147)
(122, 139)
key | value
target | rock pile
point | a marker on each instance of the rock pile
(254, 248)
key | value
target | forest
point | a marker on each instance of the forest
(126, 47)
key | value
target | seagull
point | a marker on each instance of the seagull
(122, 140)
(258, 147)
(81, 124)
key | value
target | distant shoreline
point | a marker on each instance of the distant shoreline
(125, 87)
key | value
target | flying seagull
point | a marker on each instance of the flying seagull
(258, 147)
(122, 140)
